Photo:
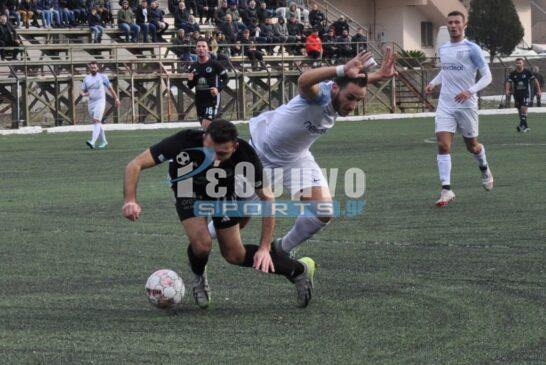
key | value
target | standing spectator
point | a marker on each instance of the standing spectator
(344, 47)
(316, 17)
(158, 19)
(540, 79)
(172, 5)
(143, 20)
(126, 22)
(181, 15)
(360, 41)
(313, 45)
(295, 30)
(329, 49)
(340, 25)
(8, 37)
(27, 10)
(95, 25)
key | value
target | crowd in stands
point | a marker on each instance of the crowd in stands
(252, 28)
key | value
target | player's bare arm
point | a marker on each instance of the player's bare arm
(131, 209)
(262, 258)
(115, 96)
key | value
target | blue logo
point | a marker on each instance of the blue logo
(209, 159)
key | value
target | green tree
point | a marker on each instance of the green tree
(495, 26)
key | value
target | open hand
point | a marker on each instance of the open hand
(263, 261)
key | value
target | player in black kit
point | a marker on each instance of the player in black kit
(519, 84)
(212, 156)
(208, 77)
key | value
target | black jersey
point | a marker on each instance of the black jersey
(207, 75)
(185, 151)
(521, 82)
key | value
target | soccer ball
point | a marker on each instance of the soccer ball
(165, 289)
(183, 158)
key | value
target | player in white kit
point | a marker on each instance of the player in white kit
(94, 86)
(282, 137)
(458, 108)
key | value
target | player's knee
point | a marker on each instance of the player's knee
(443, 148)
(234, 257)
(325, 218)
(474, 148)
(201, 246)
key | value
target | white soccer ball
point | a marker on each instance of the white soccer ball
(183, 158)
(165, 289)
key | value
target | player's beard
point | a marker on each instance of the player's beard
(336, 103)
(93, 73)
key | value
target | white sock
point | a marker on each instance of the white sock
(480, 157)
(212, 230)
(444, 168)
(102, 134)
(303, 229)
(96, 132)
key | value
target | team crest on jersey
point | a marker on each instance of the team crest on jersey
(208, 69)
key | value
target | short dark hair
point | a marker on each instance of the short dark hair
(456, 13)
(222, 131)
(93, 63)
(520, 59)
(344, 81)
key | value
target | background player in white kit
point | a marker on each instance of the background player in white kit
(94, 86)
(282, 137)
(458, 109)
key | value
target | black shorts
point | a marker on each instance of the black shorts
(522, 100)
(184, 208)
(207, 110)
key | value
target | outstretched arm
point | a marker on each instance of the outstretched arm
(131, 209)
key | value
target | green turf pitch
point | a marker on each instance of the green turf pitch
(405, 283)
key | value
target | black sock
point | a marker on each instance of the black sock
(446, 187)
(523, 120)
(284, 265)
(197, 263)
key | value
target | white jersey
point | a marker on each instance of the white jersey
(285, 134)
(460, 62)
(96, 86)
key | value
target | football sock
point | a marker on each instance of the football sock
(304, 228)
(102, 134)
(481, 158)
(212, 230)
(284, 265)
(444, 169)
(197, 263)
(96, 132)
(523, 119)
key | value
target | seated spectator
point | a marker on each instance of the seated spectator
(104, 9)
(182, 43)
(250, 14)
(10, 8)
(329, 48)
(360, 41)
(67, 15)
(132, 4)
(143, 20)
(295, 30)
(224, 50)
(191, 26)
(157, 17)
(27, 10)
(172, 5)
(234, 13)
(340, 25)
(316, 17)
(8, 37)
(304, 12)
(95, 25)
(221, 12)
(263, 13)
(343, 43)
(230, 29)
(267, 35)
(55, 9)
(181, 15)
(297, 8)
(126, 22)
(43, 9)
(191, 5)
(80, 11)
(281, 32)
(248, 47)
(313, 45)
(207, 9)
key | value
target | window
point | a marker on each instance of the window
(426, 34)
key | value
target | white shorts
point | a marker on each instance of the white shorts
(296, 176)
(464, 120)
(96, 109)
